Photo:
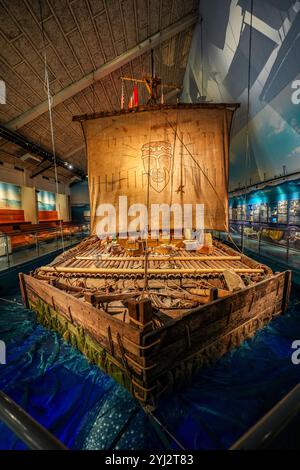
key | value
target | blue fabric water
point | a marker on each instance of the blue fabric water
(86, 409)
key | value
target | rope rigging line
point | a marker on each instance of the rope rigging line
(195, 161)
(248, 89)
(247, 156)
(202, 58)
(173, 159)
(50, 101)
(146, 286)
(231, 240)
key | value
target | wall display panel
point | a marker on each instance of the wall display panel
(234, 213)
(249, 213)
(46, 201)
(10, 196)
(256, 212)
(264, 213)
(294, 212)
(241, 212)
(273, 213)
(282, 212)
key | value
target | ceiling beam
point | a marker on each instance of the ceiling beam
(70, 154)
(36, 149)
(34, 174)
(106, 69)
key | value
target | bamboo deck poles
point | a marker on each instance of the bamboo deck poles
(157, 271)
(160, 258)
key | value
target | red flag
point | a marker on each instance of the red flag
(134, 99)
(122, 96)
(135, 95)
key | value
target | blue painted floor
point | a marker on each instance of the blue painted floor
(86, 409)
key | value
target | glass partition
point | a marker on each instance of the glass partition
(273, 213)
(263, 213)
(19, 247)
(282, 212)
(294, 212)
(280, 244)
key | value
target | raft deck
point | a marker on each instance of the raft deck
(152, 339)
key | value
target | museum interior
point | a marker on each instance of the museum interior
(149, 225)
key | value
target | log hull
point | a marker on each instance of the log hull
(151, 362)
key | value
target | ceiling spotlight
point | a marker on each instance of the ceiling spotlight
(70, 166)
(66, 163)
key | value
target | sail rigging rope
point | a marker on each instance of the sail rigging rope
(248, 91)
(231, 240)
(146, 286)
(173, 159)
(247, 156)
(202, 57)
(197, 164)
(50, 101)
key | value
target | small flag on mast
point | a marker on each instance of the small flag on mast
(135, 95)
(134, 99)
(122, 96)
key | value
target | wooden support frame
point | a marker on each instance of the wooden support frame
(148, 358)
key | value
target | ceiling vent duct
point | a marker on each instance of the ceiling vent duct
(29, 158)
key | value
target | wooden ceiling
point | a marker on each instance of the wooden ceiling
(80, 36)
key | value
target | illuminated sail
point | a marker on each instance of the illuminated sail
(183, 148)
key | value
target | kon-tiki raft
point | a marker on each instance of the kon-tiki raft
(148, 311)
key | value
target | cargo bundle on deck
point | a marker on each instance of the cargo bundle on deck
(150, 310)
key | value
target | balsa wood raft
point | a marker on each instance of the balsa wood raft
(151, 313)
(151, 340)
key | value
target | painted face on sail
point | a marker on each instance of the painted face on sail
(157, 158)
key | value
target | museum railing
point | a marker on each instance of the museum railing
(282, 244)
(19, 247)
(31, 433)
(278, 429)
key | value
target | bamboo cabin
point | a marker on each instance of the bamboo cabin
(150, 311)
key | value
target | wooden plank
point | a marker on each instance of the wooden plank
(215, 311)
(104, 341)
(264, 307)
(23, 290)
(173, 355)
(212, 330)
(94, 320)
(287, 290)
